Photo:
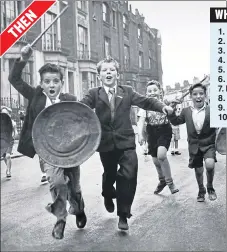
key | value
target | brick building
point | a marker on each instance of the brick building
(86, 33)
(116, 31)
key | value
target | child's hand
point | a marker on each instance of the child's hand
(174, 102)
(167, 110)
(26, 52)
(141, 139)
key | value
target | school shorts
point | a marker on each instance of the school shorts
(9, 150)
(196, 161)
(158, 135)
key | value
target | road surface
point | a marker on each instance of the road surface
(162, 222)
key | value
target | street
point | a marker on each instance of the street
(161, 222)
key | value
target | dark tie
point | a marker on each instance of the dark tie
(112, 102)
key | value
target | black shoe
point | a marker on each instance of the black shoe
(201, 195)
(160, 187)
(58, 231)
(8, 175)
(44, 179)
(177, 153)
(172, 153)
(173, 188)
(81, 220)
(211, 194)
(123, 224)
(109, 205)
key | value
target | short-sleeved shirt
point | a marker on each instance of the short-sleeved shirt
(153, 117)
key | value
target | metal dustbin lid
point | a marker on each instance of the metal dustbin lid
(66, 134)
(220, 143)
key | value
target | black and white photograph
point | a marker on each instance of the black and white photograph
(106, 135)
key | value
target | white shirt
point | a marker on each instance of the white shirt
(49, 102)
(198, 117)
(107, 91)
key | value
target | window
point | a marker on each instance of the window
(93, 80)
(139, 32)
(105, 13)
(140, 59)
(9, 11)
(126, 56)
(27, 73)
(114, 23)
(106, 47)
(81, 5)
(85, 82)
(150, 53)
(150, 63)
(150, 59)
(125, 23)
(50, 37)
(83, 41)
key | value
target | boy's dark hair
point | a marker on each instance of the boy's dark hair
(108, 59)
(154, 82)
(196, 86)
(50, 68)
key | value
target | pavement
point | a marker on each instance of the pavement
(161, 222)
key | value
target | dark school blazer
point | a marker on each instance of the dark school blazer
(118, 134)
(36, 103)
(202, 141)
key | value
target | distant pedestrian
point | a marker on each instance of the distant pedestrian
(7, 155)
(176, 135)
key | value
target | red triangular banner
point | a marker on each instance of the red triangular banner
(23, 23)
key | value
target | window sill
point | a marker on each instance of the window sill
(82, 12)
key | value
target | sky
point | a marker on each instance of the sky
(185, 33)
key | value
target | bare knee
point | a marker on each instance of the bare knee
(161, 155)
(209, 162)
(199, 170)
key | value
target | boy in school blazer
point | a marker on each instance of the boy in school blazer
(201, 139)
(48, 92)
(112, 103)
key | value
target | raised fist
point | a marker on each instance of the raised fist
(26, 52)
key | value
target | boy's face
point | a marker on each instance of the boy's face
(108, 74)
(198, 97)
(51, 84)
(153, 91)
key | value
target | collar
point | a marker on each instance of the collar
(56, 99)
(198, 110)
(108, 88)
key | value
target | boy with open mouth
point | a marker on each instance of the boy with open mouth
(201, 139)
(64, 183)
(112, 103)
